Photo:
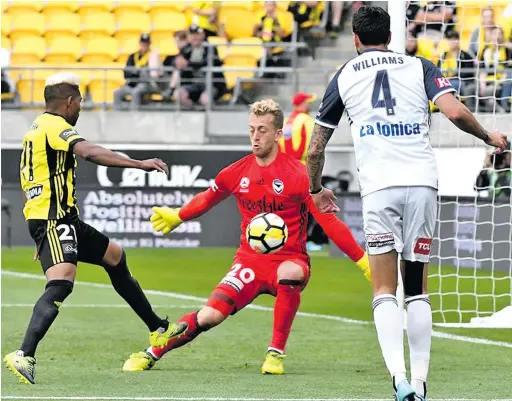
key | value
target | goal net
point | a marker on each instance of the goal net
(470, 278)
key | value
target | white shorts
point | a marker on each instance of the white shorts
(400, 218)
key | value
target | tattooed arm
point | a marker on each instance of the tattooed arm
(329, 115)
(316, 156)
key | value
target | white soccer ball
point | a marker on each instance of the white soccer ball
(266, 233)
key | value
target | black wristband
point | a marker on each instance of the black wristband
(316, 192)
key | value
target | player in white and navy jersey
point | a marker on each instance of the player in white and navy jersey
(386, 96)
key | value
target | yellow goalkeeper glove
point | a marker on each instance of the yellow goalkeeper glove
(165, 219)
(364, 265)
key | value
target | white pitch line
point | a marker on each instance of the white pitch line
(107, 306)
(9, 397)
(174, 295)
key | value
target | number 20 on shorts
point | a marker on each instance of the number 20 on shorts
(237, 277)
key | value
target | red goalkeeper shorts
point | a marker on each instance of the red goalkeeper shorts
(247, 279)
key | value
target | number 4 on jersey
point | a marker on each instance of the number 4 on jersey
(382, 82)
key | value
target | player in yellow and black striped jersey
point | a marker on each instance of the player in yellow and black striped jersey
(47, 174)
(47, 168)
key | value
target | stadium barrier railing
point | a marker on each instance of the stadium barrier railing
(295, 77)
(19, 73)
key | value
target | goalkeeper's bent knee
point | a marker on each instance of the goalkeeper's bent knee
(413, 278)
(290, 282)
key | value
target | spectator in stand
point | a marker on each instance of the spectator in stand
(206, 16)
(298, 127)
(192, 59)
(506, 88)
(171, 78)
(433, 20)
(494, 57)
(336, 13)
(483, 34)
(269, 30)
(495, 179)
(141, 73)
(455, 59)
(308, 15)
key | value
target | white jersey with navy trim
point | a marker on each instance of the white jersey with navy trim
(386, 96)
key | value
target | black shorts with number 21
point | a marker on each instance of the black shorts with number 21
(67, 240)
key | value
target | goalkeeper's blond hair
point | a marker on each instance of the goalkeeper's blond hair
(268, 106)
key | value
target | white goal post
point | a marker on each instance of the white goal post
(470, 277)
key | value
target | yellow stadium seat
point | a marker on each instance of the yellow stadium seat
(104, 83)
(6, 43)
(31, 83)
(6, 24)
(506, 23)
(28, 50)
(157, 7)
(469, 23)
(64, 49)
(239, 5)
(287, 21)
(94, 7)
(166, 23)
(221, 43)
(238, 61)
(27, 24)
(98, 25)
(464, 40)
(428, 50)
(123, 7)
(62, 24)
(80, 69)
(468, 11)
(283, 5)
(238, 23)
(60, 7)
(255, 51)
(18, 7)
(4, 6)
(167, 47)
(101, 51)
(132, 24)
(127, 47)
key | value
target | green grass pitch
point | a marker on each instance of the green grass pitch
(328, 358)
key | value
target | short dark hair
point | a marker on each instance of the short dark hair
(53, 93)
(371, 25)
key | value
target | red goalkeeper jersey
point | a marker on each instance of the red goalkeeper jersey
(281, 188)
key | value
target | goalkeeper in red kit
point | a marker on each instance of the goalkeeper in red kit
(265, 181)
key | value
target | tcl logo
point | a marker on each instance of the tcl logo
(442, 82)
(423, 246)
